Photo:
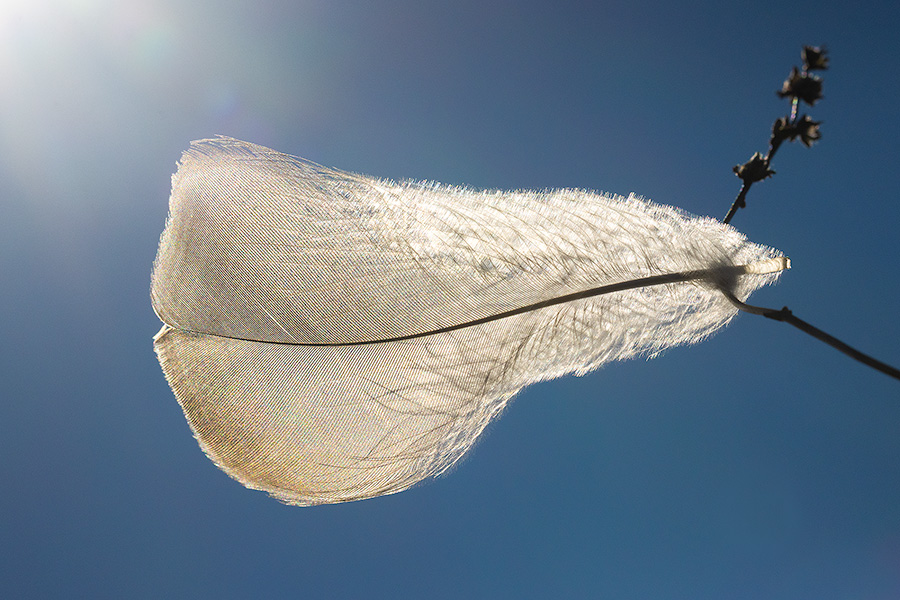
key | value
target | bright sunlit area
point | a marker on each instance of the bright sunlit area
(755, 462)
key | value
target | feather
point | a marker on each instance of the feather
(334, 337)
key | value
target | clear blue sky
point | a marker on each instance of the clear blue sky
(759, 464)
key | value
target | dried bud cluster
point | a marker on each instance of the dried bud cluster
(755, 169)
(814, 58)
(800, 86)
(804, 128)
(803, 86)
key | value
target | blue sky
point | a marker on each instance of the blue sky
(758, 464)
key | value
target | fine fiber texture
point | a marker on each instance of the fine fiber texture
(315, 321)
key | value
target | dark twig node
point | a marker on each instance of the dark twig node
(755, 169)
(814, 58)
(802, 85)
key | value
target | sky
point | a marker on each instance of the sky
(757, 464)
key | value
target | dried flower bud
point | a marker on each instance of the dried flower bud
(755, 169)
(815, 58)
(807, 130)
(804, 86)
(781, 130)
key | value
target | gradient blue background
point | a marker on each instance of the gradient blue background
(759, 464)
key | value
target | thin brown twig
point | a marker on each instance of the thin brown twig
(786, 316)
(763, 166)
